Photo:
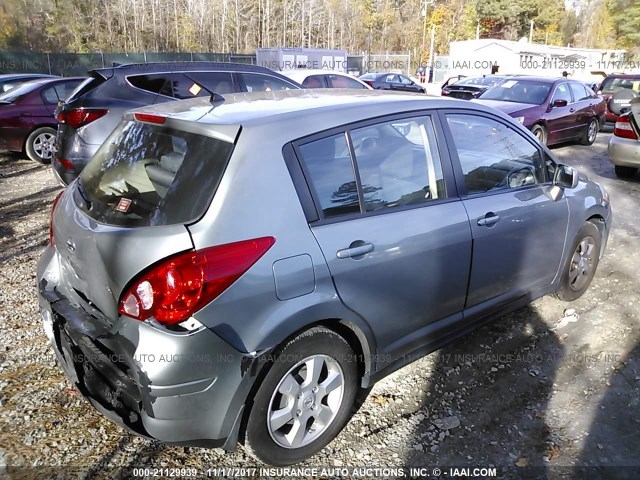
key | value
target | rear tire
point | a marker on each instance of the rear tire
(580, 267)
(591, 133)
(304, 400)
(39, 144)
(625, 172)
(540, 133)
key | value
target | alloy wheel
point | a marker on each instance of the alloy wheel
(306, 401)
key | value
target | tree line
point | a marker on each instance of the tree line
(241, 26)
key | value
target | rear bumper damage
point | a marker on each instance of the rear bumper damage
(186, 389)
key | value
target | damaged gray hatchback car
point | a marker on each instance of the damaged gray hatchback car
(236, 269)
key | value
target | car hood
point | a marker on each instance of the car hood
(507, 107)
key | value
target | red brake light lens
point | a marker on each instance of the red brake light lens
(173, 289)
(150, 118)
(624, 128)
(53, 209)
(79, 117)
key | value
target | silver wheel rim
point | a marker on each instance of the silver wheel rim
(593, 131)
(581, 266)
(306, 401)
(43, 145)
(539, 134)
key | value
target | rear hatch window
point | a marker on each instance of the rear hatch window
(611, 85)
(152, 175)
(91, 83)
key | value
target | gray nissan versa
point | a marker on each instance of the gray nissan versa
(237, 268)
(96, 107)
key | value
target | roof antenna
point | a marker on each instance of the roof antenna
(215, 99)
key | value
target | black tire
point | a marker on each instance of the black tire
(591, 132)
(317, 342)
(38, 146)
(574, 281)
(625, 172)
(540, 133)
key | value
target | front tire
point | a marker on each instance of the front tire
(540, 133)
(304, 400)
(591, 133)
(39, 144)
(582, 263)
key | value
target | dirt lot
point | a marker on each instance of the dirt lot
(531, 394)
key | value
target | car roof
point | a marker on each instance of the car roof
(13, 76)
(266, 107)
(630, 76)
(46, 81)
(156, 67)
(538, 79)
(315, 71)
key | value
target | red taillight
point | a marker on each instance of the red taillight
(173, 289)
(624, 128)
(53, 209)
(65, 163)
(368, 83)
(79, 117)
(444, 93)
(150, 118)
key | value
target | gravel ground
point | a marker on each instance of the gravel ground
(531, 393)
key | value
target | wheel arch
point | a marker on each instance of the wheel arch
(353, 335)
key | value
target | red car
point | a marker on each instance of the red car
(27, 121)
(618, 90)
(554, 109)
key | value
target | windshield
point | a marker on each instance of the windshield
(611, 85)
(151, 175)
(519, 91)
(18, 92)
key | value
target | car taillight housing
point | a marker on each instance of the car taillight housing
(368, 83)
(53, 209)
(624, 128)
(79, 117)
(176, 287)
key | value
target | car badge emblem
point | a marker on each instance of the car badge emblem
(71, 245)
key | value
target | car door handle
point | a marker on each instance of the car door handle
(488, 220)
(572, 110)
(356, 249)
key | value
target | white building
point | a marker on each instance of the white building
(479, 57)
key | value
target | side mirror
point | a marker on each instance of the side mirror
(559, 103)
(565, 177)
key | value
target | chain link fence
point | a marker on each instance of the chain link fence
(71, 64)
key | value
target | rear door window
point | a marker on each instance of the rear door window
(315, 81)
(340, 81)
(398, 163)
(579, 92)
(151, 175)
(157, 83)
(189, 84)
(329, 166)
(255, 82)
